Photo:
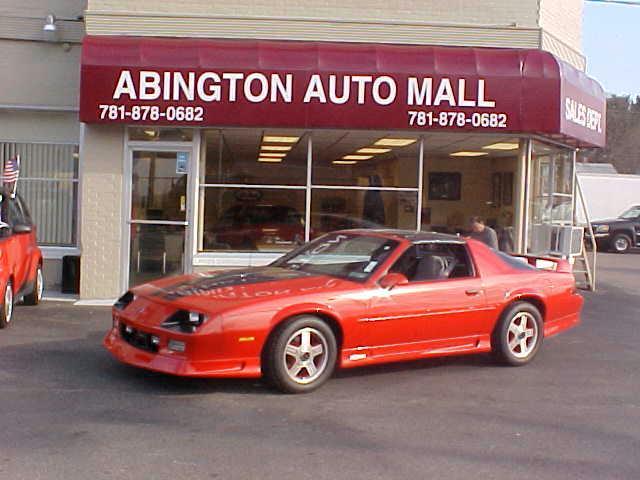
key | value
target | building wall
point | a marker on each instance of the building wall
(102, 195)
(495, 23)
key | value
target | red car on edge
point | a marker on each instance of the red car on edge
(20, 258)
(349, 298)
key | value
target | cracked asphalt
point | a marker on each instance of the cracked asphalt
(69, 411)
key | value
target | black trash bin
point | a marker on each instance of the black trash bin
(71, 274)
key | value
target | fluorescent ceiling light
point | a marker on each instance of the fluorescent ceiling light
(468, 154)
(344, 162)
(357, 157)
(373, 150)
(395, 142)
(502, 146)
(273, 155)
(276, 148)
(269, 160)
(279, 139)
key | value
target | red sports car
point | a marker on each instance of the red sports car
(349, 298)
(20, 258)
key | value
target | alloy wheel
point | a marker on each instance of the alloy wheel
(522, 334)
(305, 355)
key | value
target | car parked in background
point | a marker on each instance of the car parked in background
(20, 258)
(349, 298)
(620, 234)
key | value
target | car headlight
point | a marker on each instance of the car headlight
(602, 229)
(124, 300)
(184, 321)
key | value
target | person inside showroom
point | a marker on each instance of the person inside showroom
(482, 232)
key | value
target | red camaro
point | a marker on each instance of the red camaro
(349, 298)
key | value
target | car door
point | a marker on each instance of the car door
(21, 243)
(442, 305)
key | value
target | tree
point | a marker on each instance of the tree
(623, 136)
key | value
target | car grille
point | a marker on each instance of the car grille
(136, 338)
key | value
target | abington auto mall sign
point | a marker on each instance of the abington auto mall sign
(323, 85)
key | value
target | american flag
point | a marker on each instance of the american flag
(11, 171)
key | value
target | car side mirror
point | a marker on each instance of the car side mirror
(392, 280)
(22, 228)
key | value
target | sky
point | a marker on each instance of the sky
(611, 43)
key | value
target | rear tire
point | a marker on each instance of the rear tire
(34, 297)
(301, 355)
(621, 243)
(6, 310)
(518, 335)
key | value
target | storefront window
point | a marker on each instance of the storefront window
(343, 209)
(254, 157)
(49, 185)
(252, 219)
(252, 190)
(164, 134)
(365, 159)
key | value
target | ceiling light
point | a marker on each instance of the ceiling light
(468, 154)
(150, 133)
(269, 160)
(276, 148)
(344, 162)
(357, 157)
(273, 155)
(502, 146)
(278, 139)
(395, 142)
(374, 150)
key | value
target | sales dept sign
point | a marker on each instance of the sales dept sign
(305, 99)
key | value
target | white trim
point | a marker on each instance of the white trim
(40, 108)
(96, 302)
(382, 189)
(254, 186)
(420, 184)
(159, 222)
(308, 191)
(235, 259)
(53, 252)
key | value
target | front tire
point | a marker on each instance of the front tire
(6, 310)
(301, 355)
(518, 335)
(34, 297)
(621, 243)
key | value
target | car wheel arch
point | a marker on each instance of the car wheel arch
(280, 321)
(531, 298)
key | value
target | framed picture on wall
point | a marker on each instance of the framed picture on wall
(445, 185)
(507, 188)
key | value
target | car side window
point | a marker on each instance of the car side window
(14, 214)
(434, 261)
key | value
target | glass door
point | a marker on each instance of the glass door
(158, 214)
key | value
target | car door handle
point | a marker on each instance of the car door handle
(473, 291)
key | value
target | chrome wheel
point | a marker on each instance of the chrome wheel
(522, 334)
(8, 303)
(305, 355)
(39, 285)
(621, 244)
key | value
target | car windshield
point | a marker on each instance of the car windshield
(633, 212)
(349, 256)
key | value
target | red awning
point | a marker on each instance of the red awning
(255, 83)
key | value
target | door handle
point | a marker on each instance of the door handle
(473, 291)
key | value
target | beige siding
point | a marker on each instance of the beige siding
(563, 20)
(39, 74)
(494, 12)
(45, 127)
(101, 213)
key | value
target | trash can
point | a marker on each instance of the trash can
(71, 274)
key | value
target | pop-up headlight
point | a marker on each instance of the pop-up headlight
(184, 321)
(124, 300)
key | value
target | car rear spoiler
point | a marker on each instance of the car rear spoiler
(546, 263)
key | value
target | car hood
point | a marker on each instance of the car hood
(611, 221)
(220, 290)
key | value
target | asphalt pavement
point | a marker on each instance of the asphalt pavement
(69, 411)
